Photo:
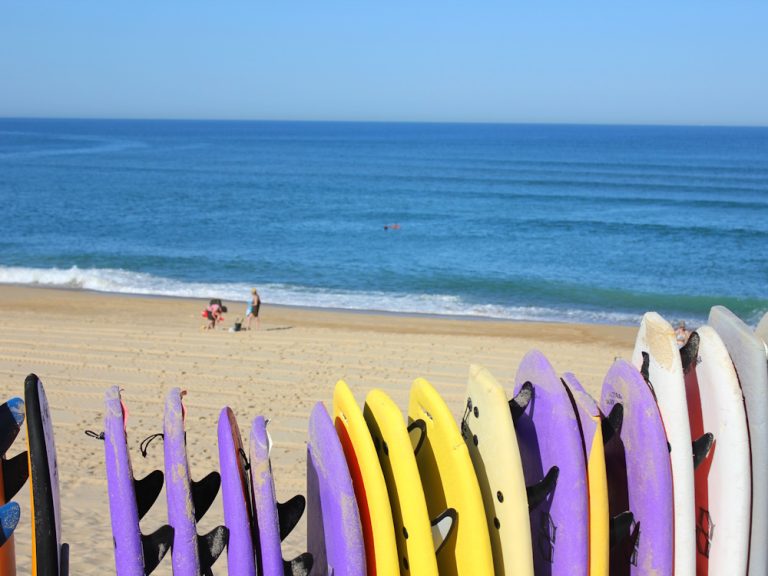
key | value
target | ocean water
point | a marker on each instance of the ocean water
(542, 222)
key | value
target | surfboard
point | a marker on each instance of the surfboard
(334, 533)
(49, 554)
(761, 331)
(368, 481)
(590, 421)
(13, 473)
(723, 479)
(415, 547)
(274, 520)
(449, 481)
(656, 339)
(130, 499)
(553, 458)
(236, 496)
(489, 433)
(188, 500)
(748, 354)
(639, 469)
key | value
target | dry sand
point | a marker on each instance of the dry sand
(80, 343)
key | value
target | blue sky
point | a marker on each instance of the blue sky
(672, 62)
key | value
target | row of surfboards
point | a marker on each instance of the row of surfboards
(665, 474)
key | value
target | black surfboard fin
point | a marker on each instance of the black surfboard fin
(15, 474)
(620, 526)
(299, 566)
(289, 513)
(147, 490)
(611, 424)
(538, 492)
(690, 352)
(442, 527)
(64, 564)
(520, 402)
(155, 546)
(204, 493)
(645, 368)
(417, 430)
(701, 448)
(11, 419)
(210, 546)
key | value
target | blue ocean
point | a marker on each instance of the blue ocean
(535, 222)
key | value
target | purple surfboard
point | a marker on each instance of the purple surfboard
(129, 499)
(188, 501)
(639, 474)
(549, 437)
(275, 520)
(334, 532)
(236, 496)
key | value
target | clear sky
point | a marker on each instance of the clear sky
(580, 61)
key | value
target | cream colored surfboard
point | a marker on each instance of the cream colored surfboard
(665, 372)
(723, 478)
(368, 482)
(489, 434)
(413, 534)
(748, 354)
(449, 481)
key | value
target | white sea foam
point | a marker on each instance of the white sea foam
(126, 282)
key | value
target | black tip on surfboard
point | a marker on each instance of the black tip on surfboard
(210, 547)
(204, 493)
(299, 566)
(15, 474)
(147, 490)
(417, 430)
(538, 492)
(690, 352)
(442, 527)
(520, 402)
(155, 546)
(611, 425)
(289, 513)
(701, 448)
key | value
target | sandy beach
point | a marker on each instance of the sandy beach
(79, 343)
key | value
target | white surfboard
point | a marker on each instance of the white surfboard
(722, 480)
(656, 338)
(748, 354)
(762, 330)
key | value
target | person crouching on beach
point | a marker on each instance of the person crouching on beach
(214, 313)
(253, 309)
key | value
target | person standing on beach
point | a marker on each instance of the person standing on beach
(253, 309)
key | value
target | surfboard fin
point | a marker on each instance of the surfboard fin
(15, 474)
(204, 493)
(690, 352)
(701, 448)
(11, 419)
(9, 519)
(210, 546)
(299, 566)
(645, 368)
(611, 424)
(520, 402)
(538, 492)
(442, 527)
(155, 546)
(620, 526)
(147, 490)
(417, 430)
(64, 557)
(289, 513)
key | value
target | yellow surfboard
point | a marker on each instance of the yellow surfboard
(413, 535)
(599, 518)
(489, 434)
(449, 481)
(368, 481)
